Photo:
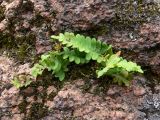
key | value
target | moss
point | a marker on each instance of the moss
(46, 80)
(128, 14)
(82, 71)
(53, 13)
(39, 20)
(25, 46)
(97, 30)
(22, 106)
(134, 12)
(6, 41)
(42, 95)
(37, 111)
(27, 6)
(51, 95)
(2, 16)
(20, 47)
(103, 86)
(86, 87)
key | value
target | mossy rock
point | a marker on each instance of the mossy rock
(23, 106)
(37, 111)
(2, 16)
(134, 12)
(20, 47)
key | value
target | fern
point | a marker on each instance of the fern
(115, 61)
(74, 56)
(80, 49)
(93, 48)
(52, 61)
(21, 80)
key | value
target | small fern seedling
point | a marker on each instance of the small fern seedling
(80, 49)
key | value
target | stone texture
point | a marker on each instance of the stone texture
(151, 105)
(133, 27)
(118, 22)
(138, 91)
(73, 102)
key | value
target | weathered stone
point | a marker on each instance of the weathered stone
(28, 91)
(130, 26)
(105, 19)
(138, 91)
(40, 89)
(51, 89)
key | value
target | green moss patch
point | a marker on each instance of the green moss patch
(20, 47)
(134, 12)
(37, 111)
(2, 9)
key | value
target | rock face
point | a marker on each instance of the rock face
(131, 26)
(46, 100)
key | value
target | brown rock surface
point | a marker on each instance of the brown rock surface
(133, 27)
(130, 26)
(73, 102)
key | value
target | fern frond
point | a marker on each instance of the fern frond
(118, 62)
(74, 56)
(52, 61)
(92, 47)
(81, 49)
(36, 70)
(129, 66)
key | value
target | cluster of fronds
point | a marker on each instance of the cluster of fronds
(81, 49)
(21, 80)
(53, 61)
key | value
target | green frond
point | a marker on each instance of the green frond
(94, 48)
(80, 49)
(53, 62)
(74, 56)
(36, 70)
(115, 61)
